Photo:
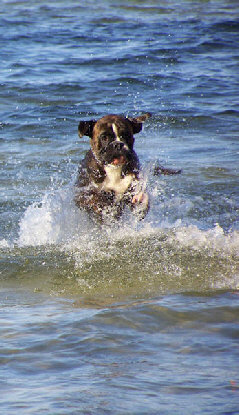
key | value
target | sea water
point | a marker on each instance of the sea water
(135, 317)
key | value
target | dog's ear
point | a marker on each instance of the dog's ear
(86, 128)
(137, 122)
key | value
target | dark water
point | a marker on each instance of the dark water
(136, 318)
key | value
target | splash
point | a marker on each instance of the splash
(57, 221)
(53, 221)
(212, 240)
(5, 244)
(144, 257)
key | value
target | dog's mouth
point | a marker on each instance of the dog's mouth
(115, 154)
(118, 161)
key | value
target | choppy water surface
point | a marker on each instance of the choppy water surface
(133, 318)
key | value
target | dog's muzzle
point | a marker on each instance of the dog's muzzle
(116, 153)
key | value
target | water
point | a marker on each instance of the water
(133, 318)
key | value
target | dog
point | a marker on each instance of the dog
(109, 177)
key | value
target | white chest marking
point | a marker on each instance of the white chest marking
(114, 180)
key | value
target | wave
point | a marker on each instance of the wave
(60, 250)
(56, 220)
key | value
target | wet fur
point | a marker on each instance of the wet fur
(109, 175)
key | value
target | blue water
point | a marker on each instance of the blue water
(139, 317)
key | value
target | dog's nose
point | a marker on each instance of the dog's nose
(118, 145)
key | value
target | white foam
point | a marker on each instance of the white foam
(214, 239)
(56, 220)
(52, 221)
(5, 244)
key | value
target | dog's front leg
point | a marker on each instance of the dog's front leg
(95, 202)
(140, 204)
(140, 200)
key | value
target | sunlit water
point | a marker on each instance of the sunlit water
(134, 317)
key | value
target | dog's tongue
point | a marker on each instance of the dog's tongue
(118, 160)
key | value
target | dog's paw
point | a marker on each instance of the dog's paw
(140, 197)
(140, 204)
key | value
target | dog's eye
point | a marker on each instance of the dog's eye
(106, 138)
(103, 138)
(125, 136)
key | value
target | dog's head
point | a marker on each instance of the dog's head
(112, 137)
